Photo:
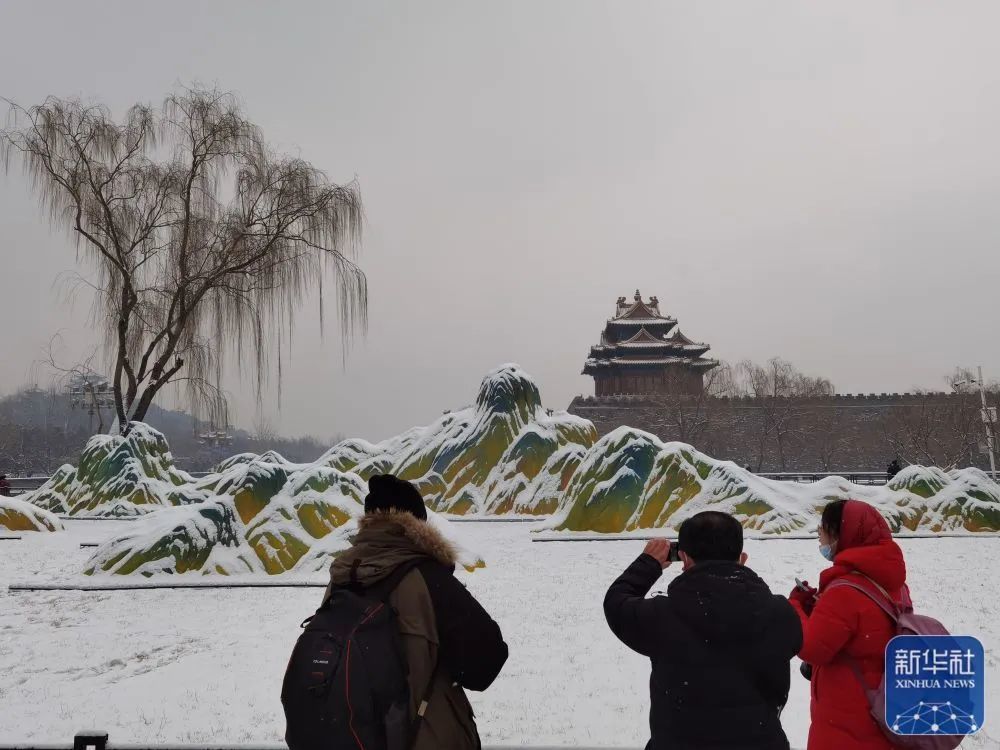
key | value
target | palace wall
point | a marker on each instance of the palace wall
(675, 381)
(834, 433)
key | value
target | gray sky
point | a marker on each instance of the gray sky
(817, 181)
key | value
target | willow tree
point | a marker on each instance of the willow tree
(202, 237)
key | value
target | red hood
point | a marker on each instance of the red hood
(861, 526)
(866, 545)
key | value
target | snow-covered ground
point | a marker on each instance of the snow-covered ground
(190, 666)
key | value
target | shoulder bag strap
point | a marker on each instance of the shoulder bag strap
(885, 602)
(422, 706)
(886, 605)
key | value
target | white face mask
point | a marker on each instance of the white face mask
(827, 551)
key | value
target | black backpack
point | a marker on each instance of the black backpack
(346, 683)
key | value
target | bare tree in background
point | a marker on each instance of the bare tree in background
(203, 238)
(689, 418)
(86, 385)
(263, 429)
(828, 425)
(779, 389)
(942, 431)
(934, 431)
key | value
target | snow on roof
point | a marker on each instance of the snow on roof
(643, 339)
(679, 339)
(593, 362)
(653, 344)
(649, 360)
(641, 321)
(639, 310)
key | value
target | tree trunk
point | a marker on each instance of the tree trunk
(146, 400)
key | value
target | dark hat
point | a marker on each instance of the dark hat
(387, 492)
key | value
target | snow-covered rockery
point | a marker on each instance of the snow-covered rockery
(483, 459)
(504, 454)
(630, 480)
(260, 517)
(263, 515)
(119, 477)
(18, 515)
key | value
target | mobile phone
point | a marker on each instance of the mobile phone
(674, 555)
(800, 586)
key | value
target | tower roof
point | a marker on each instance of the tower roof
(640, 313)
(681, 341)
(645, 340)
(639, 335)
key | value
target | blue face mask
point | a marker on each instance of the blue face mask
(827, 551)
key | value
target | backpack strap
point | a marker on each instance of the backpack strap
(422, 706)
(380, 590)
(870, 694)
(384, 588)
(353, 575)
(884, 602)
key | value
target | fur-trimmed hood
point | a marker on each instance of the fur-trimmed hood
(385, 540)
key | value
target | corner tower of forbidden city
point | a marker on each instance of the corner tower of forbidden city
(643, 352)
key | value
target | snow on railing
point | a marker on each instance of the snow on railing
(647, 534)
(855, 477)
(99, 741)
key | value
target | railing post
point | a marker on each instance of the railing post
(90, 740)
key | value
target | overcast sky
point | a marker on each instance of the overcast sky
(817, 181)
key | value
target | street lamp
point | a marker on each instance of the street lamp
(989, 414)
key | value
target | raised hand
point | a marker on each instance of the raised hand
(804, 595)
(659, 549)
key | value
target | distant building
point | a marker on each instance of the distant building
(641, 352)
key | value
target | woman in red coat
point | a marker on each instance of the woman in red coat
(841, 625)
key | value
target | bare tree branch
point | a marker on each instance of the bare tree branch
(204, 240)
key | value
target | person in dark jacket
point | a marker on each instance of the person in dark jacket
(450, 642)
(4, 485)
(720, 643)
(892, 469)
(843, 627)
